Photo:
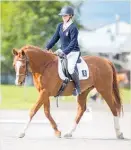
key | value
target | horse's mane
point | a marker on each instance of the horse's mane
(30, 47)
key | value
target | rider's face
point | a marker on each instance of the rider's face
(66, 18)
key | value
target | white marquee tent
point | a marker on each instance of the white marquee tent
(112, 38)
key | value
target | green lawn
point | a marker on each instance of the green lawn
(14, 97)
(17, 97)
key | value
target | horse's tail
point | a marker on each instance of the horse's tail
(116, 93)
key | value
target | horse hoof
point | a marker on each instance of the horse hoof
(21, 135)
(120, 136)
(68, 135)
(58, 134)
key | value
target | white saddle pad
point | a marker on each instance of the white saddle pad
(82, 68)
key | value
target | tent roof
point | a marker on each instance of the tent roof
(105, 39)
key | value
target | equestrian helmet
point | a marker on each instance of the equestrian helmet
(67, 10)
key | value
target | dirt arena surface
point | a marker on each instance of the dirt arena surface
(95, 131)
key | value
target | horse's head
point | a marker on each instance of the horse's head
(20, 64)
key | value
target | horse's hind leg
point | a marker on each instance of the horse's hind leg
(108, 95)
(81, 101)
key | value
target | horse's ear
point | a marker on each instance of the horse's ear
(23, 53)
(14, 52)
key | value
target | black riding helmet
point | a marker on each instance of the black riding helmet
(67, 10)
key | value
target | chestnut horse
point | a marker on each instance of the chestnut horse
(44, 68)
(121, 78)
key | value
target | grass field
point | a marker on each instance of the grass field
(14, 97)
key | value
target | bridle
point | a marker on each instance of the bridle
(26, 59)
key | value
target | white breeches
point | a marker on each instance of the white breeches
(72, 58)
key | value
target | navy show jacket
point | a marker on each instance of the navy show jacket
(68, 38)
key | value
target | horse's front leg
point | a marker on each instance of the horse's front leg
(48, 115)
(81, 100)
(34, 109)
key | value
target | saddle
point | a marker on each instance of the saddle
(81, 67)
(65, 68)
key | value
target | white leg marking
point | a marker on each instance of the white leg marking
(25, 129)
(73, 128)
(119, 134)
(69, 134)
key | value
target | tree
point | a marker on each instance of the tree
(27, 23)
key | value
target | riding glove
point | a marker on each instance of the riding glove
(60, 53)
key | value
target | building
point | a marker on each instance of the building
(112, 41)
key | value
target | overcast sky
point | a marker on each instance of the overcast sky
(97, 13)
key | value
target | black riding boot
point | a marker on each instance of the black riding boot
(75, 78)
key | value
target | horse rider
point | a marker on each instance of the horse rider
(67, 32)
